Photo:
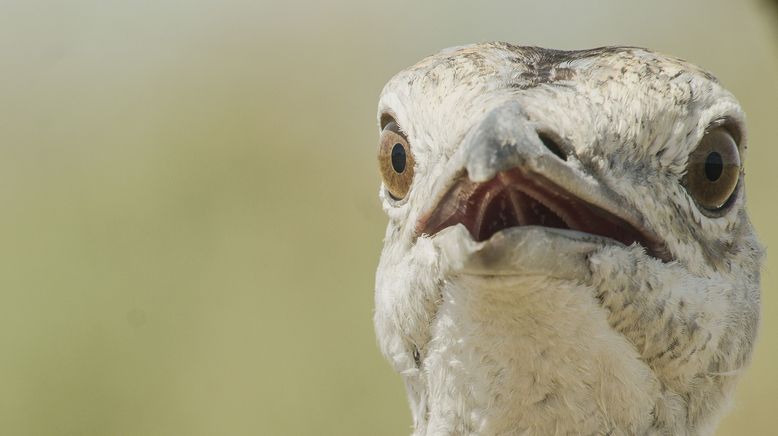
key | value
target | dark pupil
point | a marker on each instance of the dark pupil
(398, 158)
(713, 166)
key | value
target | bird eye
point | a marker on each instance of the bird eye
(713, 169)
(395, 161)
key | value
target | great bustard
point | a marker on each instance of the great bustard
(568, 250)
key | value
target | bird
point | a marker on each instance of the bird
(568, 249)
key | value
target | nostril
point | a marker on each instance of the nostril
(552, 146)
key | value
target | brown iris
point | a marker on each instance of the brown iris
(395, 161)
(713, 169)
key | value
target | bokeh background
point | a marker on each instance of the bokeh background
(188, 217)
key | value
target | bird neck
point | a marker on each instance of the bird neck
(532, 353)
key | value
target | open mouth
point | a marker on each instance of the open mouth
(513, 199)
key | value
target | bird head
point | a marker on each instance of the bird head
(567, 240)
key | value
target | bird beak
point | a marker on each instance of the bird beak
(507, 177)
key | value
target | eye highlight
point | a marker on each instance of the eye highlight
(395, 161)
(713, 170)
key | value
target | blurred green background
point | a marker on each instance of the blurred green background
(188, 216)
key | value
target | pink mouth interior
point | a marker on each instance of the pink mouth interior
(512, 199)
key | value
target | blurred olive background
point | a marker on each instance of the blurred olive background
(188, 216)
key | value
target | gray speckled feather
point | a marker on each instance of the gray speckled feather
(556, 331)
